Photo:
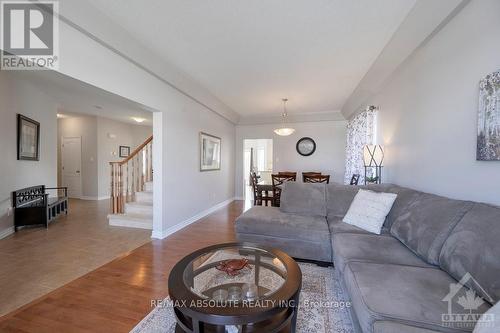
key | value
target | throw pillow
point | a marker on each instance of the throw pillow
(369, 209)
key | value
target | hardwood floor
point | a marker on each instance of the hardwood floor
(35, 261)
(116, 296)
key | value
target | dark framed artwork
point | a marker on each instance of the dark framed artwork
(210, 150)
(306, 146)
(28, 139)
(124, 151)
(488, 131)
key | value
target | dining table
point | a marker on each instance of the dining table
(264, 186)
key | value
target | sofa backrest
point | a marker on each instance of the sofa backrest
(425, 224)
(339, 198)
(474, 247)
(303, 199)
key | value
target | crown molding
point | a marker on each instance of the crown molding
(292, 118)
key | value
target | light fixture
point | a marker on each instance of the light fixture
(60, 115)
(138, 120)
(373, 157)
(284, 130)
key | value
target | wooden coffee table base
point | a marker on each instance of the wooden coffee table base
(283, 322)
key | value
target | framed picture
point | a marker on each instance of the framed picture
(488, 131)
(124, 151)
(210, 147)
(28, 139)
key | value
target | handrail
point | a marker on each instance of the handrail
(135, 152)
(130, 175)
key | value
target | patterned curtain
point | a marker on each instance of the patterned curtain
(360, 132)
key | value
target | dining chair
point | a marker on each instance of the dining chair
(258, 197)
(304, 174)
(355, 179)
(317, 179)
(278, 180)
(288, 173)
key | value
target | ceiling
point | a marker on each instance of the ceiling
(250, 54)
(74, 96)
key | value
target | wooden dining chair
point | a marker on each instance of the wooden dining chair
(317, 179)
(258, 197)
(278, 180)
(288, 173)
(355, 179)
(304, 174)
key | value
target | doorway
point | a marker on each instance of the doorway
(258, 157)
(71, 161)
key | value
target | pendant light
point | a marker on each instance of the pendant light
(284, 130)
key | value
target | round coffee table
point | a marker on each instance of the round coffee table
(209, 294)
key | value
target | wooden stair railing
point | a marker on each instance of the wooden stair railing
(128, 176)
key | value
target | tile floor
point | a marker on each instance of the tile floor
(35, 261)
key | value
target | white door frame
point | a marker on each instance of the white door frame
(62, 159)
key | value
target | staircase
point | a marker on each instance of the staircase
(132, 189)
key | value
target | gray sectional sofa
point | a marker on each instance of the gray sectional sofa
(402, 280)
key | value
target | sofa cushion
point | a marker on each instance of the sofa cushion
(427, 222)
(393, 327)
(270, 221)
(413, 296)
(369, 209)
(372, 248)
(303, 199)
(474, 247)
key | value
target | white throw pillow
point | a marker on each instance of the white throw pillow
(369, 209)
(489, 321)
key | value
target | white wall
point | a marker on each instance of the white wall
(107, 70)
(188, 190)
(328, 158)
(18, 96)
(428, 110)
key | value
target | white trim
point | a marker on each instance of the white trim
(239, 198)
(7, 232)
(181, 225)
(85, 197)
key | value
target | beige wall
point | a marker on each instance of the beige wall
(101, 139)
(108, 148)
(428, 110)
(85, 127)
(18, 96)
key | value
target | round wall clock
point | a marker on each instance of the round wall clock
(306, 146)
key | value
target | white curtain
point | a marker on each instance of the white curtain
(360, 132)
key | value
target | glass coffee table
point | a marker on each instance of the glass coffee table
(235, 287)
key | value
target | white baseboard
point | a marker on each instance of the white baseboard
(6, 232)
(94, 198)
(181, 225)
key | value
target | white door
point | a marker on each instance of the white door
(71, 159)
